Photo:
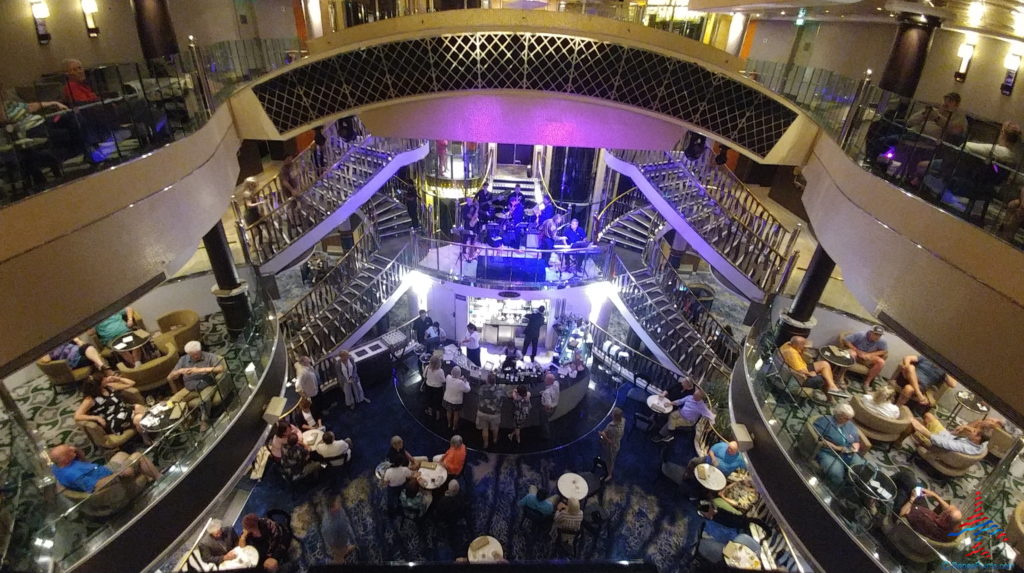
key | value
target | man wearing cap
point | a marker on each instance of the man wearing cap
(946, 122)
(869, 349)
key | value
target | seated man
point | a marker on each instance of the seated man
(78, 354)
(455, 458)
(821, 376)
(936, 524)
(537, 499)
(75, 473)
(332, 451)
(198, 370)
(452, 505)
(270, 540)
(395, 478)
(690, 410)
(869, 349)
(724, 456)
(967, 439)
(839, 443)
(217, 545)
(915, 375)
(684, 388)
(76, 90)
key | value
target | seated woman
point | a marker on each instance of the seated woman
(414, 502)
(281, 433)
(568, 518)
(78, 354)
(116, 325)
(295, 459)
(306, 416)
(103, 406)
(880, 403)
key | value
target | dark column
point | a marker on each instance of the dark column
(908, 53)
(156, 33)
(798, 321)
(230, 292)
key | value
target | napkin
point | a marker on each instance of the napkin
(479, 544)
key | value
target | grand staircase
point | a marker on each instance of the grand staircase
(293, 225)
(633, 229)
(715, 213)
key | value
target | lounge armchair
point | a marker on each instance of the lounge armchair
(1015, 528)
(61, 374)
(951, 464)
(152, 374)
(110, 444)
(1000, 443)
(914, 546)
(179, 326)
(879, 428)
(110, 500)
(215, 394)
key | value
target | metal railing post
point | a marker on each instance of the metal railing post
(854, 113)
(202, 81)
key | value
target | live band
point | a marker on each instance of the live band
(507, 222)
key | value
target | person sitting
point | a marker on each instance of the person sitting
(969, 438)
(821, 376)
(414, 502)
(76, 89)
(725, 456)
(395, 478)
(880, 403)
(281, 433)
(538, 500)
(75, 473)
(295, 460)
(1003, 151)
(217, 546)
(24, 121)
(690, 410)
(682, 389)
(454, 459)
(78, 354)
(568, 518)
(397, 455)
(115, 326)
(938, 523)
(915, 375)
(1013, 218)
(869, 349)
(268, 537)
(452, 505)
(516, 193)
(102, 405)
(332, 451)
(433, 336)
(306, 417)
(469, 212)
(198, 370)
(839, 443)
(946, 122)
(575, 237)
(512, 356)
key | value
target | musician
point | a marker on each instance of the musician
(516, 193)
(549, 232)
(547, 210)
(469, 212)
(575, 237)
(484, 199)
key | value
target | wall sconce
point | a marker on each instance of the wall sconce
(965, 53)
(89, 9)
(40, 12)
(1012, 64)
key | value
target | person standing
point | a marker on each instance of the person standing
(488, 410)
(520, 410)
(455, 386)
(336, 531)
(420, 325)
(531, 336)
(433, 385)
(548, 403)
(306, 382)
(348, 377)
(472, 343)
(611, 438)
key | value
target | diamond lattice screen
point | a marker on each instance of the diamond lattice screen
(526, 61)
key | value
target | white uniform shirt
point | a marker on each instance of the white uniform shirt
(549, 396)
(473, 340)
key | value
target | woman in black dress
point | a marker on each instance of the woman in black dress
(103, 406)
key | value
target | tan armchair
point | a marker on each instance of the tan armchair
(110, 500)
(1000, 443)
(1015, 528)
(178, 326)
(880, 428)
(857, 368)
(110, 444)
(914, 546)
(952, 464)
(62, 376)
(215, 394)
(152, 374)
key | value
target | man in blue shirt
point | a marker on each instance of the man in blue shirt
(916, 375)
(537, 500)
(75, 473)
(726, 457)
(839, 443)
(869, 349)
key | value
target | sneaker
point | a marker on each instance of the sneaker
(662, 439)
(839, 394)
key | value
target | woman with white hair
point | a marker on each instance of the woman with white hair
(218, 544)
(839, 443)
(455, 386)
(568, 518)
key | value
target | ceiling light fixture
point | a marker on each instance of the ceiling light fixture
(975, 13)
(40, 12)
(89, 10)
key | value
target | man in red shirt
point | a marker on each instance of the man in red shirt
(935, 524)
(455, 458)
(76, 91)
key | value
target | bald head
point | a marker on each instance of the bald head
(732, 448)
(62, 455)
(798, 342)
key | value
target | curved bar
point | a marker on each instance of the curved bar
(614, 64)
(929, 273)
(113, 232)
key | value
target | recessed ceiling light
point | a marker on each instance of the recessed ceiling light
(827, 11)
(879, 8)
(891, 15)
(783, 13)
(757, 15)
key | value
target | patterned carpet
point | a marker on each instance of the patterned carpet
(650, 518)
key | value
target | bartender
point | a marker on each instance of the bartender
(511, 357)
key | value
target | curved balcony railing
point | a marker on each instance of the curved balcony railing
(53, 530)
(480, 264)
(721, 210)
(963, 164)
(285, 219)
(122, 112)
